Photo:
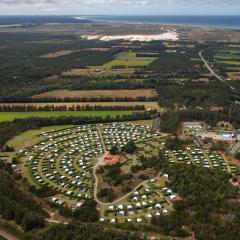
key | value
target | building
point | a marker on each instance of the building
(192, 125)
(111, 159)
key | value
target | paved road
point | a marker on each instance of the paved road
(101, 139)
(6, 235)
(212, 71)
(99, 163)
(55, 221)
(123, 197)
(156, 124)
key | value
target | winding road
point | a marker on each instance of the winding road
(121, 198)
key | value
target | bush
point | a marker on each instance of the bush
(31, 221)
(87, 212)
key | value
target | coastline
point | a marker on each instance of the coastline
(187, 25)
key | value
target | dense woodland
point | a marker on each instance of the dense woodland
(171, 120)
(210, 205)
(15, 204)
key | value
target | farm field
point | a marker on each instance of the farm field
(228, 59)
(57, 54)
(98, 93)
(10, 116)
(98, 71)
(130, 59)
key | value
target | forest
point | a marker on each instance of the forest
(210, 205)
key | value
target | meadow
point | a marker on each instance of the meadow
(10, 116)
(130, 59)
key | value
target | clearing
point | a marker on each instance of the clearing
(98, 93)
(57, 54)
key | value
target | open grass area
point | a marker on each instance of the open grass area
(229, 62)
(98, 93)
(130, 59)
(32, 136)
(10, 116)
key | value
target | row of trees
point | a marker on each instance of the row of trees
(78, 99)
(49, 108)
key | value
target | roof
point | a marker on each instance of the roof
(111, 159)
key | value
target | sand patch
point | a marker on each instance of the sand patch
(171, 36)
(57, 54)
(98, 93)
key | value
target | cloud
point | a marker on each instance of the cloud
(118, 2)
(119, 7)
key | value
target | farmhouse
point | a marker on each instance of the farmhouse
(111, 159)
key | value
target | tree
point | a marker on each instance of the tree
(114, 150)
(237, 155)
(130, 147)
(87, 212)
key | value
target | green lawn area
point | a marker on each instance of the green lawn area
(10, 116)
(128, 62)
(227, 57)
(230, 62)
(127, 59)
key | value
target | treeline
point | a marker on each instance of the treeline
(10, 129)
(78, 99)
(86, 232)
(16, 206)
(170, 120)
(49, 108)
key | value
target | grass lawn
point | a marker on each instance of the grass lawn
(31, 137)
(127, 59)
(10, 116)
(230, 62)
(128, 62)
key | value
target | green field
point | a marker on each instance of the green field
(229, 63)
(10, 116)
(127, 59)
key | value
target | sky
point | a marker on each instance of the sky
(120, 7)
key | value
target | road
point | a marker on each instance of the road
(99, 163)
(7, 236)
(212, 71)
(55, 221)
(101, 139)
(119, 199)
(156, 124)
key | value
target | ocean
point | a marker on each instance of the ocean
(232, 22)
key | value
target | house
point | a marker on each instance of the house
(111, 159)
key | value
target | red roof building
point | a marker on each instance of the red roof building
(111, 159)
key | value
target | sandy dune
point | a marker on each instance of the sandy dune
(171, 35)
